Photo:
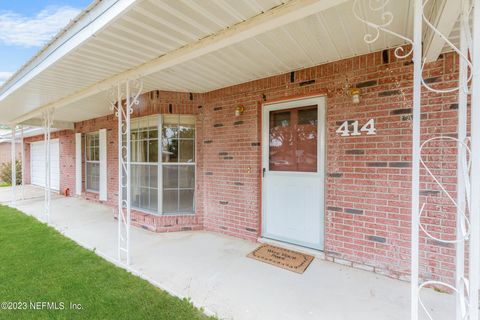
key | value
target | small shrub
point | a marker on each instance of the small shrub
(6, 172)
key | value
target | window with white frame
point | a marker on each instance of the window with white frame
(178, 164)
(92, 162)
(165, 184)
(144, 165)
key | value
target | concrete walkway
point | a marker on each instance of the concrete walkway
(30, 192)
(215, 273)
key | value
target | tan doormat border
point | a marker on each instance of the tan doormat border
(283, 258)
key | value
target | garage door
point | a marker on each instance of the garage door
(37, 163)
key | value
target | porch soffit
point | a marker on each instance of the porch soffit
(198, 46)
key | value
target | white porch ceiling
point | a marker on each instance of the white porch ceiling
(330, 35)
(149, 29)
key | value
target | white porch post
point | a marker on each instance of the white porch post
(14, 168)
(23, 163)
(123, 223)
(462, 170)
(128, 111)
(474, 263)
(124, 166)
(47, 117)
(417, 86)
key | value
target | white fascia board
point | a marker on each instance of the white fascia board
(277, 17)
(94, 21)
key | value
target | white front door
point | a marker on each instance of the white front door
(293, 141)
(37, 163)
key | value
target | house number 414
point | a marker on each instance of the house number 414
(368, 127)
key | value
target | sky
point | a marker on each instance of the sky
(26, 25)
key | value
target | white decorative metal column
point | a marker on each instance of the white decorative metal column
(417, 86)
(123, 104)
(474, 252)
(47, 126)
(462, 159)
(465, 286)
(14, 167)
(22, 145)
(467, 201)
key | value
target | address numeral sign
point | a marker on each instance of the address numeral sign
(369, 128)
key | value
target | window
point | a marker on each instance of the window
(178, 155)
(163, 184)
(144, 166)
(92, 162)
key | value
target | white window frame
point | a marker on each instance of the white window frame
(97, 133)
(160, 164)
(159, 176)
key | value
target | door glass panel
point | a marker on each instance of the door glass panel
(308, 116)
(306, 133)
(281, 119)
(281, 142)
(293, 140)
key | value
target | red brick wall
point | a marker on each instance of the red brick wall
(367, 214)
(160, 102)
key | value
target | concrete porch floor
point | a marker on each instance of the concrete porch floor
(213, 271)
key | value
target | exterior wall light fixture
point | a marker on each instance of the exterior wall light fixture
(239, 110)
(355, 94)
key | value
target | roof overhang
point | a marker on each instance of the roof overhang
(27, 132)
(187, 46)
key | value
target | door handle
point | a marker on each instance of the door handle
(263, 172)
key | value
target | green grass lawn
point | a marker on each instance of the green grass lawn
(4, 184)
(38, 264)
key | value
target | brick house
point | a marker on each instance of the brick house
(280, 152)
(367, 185)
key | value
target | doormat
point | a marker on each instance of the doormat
(283, 258)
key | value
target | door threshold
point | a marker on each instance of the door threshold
(313, 252)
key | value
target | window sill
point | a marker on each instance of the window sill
(191, 214)
(177, 214)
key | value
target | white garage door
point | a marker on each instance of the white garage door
(37, 163)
